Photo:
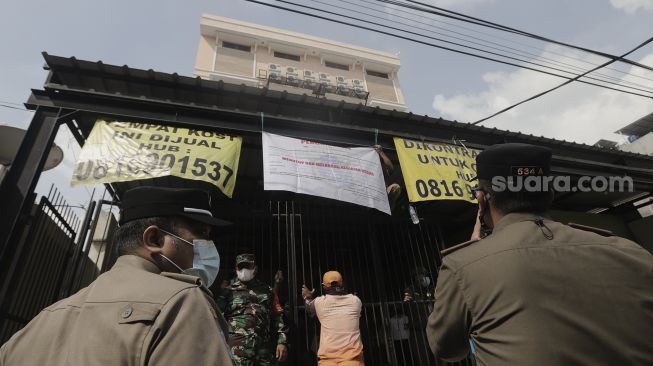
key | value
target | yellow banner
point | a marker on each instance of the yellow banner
(126, 151)
(436, 171)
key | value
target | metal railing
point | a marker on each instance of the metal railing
(318, 87)
(376, 255)
(41, 270)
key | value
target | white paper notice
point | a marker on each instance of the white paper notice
(347, 174)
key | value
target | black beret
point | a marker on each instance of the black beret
(144, 202)
(513, 159)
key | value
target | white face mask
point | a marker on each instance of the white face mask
(206, 260)
(245, 274)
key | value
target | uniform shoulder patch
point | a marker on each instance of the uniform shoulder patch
(595, 230)
(457, 247)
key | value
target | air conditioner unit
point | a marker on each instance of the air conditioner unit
(291, 70)
(274, 72)
(309, 75)
(325, 81)
(359, 86)
(342, 86)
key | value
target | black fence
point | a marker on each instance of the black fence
(377, 256)
(51, 260)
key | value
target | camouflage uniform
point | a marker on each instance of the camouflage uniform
(255, 328)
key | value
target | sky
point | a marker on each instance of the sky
(163, 35)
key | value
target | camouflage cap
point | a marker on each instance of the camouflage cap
(245, 258)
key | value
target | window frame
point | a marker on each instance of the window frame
(287, 56)
(335, 65)
(236, 46)
(378, 74)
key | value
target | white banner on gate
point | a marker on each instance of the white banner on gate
(346, 174)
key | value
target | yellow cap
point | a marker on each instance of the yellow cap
(331, 277)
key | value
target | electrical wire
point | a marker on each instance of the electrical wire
(565, 83)
(543, 51)
(12, 107)
(617, 81)
(429, 44)
(8, 102)
(485, 23)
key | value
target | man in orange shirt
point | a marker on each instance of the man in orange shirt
(339, 313)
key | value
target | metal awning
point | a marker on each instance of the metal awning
(95, 89)
(78, 92)
(639, 128)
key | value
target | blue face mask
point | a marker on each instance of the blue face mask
(206, 260)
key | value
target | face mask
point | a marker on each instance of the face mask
(245, 274)
(206, 260)
(425, 281)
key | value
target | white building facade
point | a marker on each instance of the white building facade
(244, 53)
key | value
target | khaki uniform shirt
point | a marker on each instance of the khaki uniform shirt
(578, 299)
(130, 315)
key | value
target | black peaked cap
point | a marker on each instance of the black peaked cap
(513, 159)
(144, 202)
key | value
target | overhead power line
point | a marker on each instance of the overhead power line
(543, 51)
(576, 69)
(466, 18)
(430, 44)
(12, 107)
(565, 83)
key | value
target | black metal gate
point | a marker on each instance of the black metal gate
(36, 277)
(377, 256)
(50, 261)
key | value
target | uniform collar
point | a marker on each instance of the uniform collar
(515, 217)
(134, 261)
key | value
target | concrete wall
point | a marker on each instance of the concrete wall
(234, 66)
(380, 88)
(643, 145)
(233, 61)
(205, 52)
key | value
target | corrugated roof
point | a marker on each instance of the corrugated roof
(96, 89)
(639, 128)
(124, 80)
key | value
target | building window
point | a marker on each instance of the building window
(236, 46)
(336, 65)
(377, 74)
(286, 56)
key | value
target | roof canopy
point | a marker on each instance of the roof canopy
(86, 90)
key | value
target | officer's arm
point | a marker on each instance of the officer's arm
(449, 324)
(186, 332)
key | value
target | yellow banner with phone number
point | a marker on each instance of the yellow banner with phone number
(434, 171)
(124, 151)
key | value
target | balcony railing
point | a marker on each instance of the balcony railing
(318, 87)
